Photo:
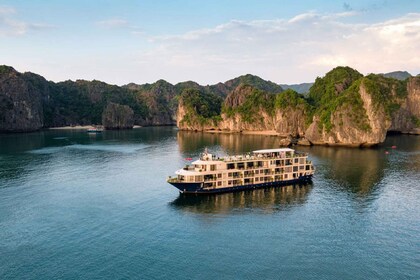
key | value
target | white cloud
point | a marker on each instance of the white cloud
(119, 23)
(286, 50)
(11, 26)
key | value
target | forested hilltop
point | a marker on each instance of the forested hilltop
(29, 102)
(343, 107)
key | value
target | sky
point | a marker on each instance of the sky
(207, 41)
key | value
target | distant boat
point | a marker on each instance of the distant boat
(95, 129)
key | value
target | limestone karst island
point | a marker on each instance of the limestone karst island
(343, 107)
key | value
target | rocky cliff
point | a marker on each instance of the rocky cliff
(117, 116)
(249, 109)
(21, 101)
(343, 108)
(29, 102)
(407, 118)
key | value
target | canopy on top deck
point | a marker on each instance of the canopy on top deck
(279, 150)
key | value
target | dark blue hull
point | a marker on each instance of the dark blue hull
(196, 188)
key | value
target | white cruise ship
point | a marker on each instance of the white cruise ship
(258, 169)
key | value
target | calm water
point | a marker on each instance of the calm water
(77, 206)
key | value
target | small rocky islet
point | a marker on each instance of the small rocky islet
(342, 108)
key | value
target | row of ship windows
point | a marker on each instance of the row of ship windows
(243, 165)
(213, 177)
(256, 164)
(258, 180)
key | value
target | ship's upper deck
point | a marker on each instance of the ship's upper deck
(270, 151)
(254, 155)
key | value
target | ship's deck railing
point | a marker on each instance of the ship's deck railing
(174, 180)
(245, 157)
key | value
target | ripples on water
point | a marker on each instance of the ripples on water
(74, 205)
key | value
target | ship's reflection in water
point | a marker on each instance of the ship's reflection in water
(357, 171)
(262, 200)
(192, 143)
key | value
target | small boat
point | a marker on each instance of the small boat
(94, 129)
(257, 169)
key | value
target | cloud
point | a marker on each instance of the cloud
(286, 50)
(118, 23)
(10, 26)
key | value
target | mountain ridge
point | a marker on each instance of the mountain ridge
(341, 108)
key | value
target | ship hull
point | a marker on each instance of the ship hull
(196, 188)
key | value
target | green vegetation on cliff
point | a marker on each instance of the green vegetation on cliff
(254, 101)
(290, 99)
(386, 92)
(255, 82)
(83, 102)
(116, 116)
(339, 89)
(326, 89)
(200, 107)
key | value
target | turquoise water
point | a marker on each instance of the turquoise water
(80, 206)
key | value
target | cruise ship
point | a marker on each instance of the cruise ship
(257, 169)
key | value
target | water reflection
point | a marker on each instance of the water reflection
(190, 142)
(266, 200)
(355, 170)
(358, 170)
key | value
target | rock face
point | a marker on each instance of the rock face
(159, 99)
(29, 102)
(116, 116)
(361, 110)
(407, 118)
(249, 109)
(369, 130)
(344, 108)
(21, 100)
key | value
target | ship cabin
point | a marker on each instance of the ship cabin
(258, 167)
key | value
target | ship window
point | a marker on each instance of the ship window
(302, 160)
(219, 175)
(301, 167)
(285, 176)
(257, 172)
(256, 179)
(296, 160)
(212, 167)
(219, 183)
(308, 167)
(230, 166)
(295, 168)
